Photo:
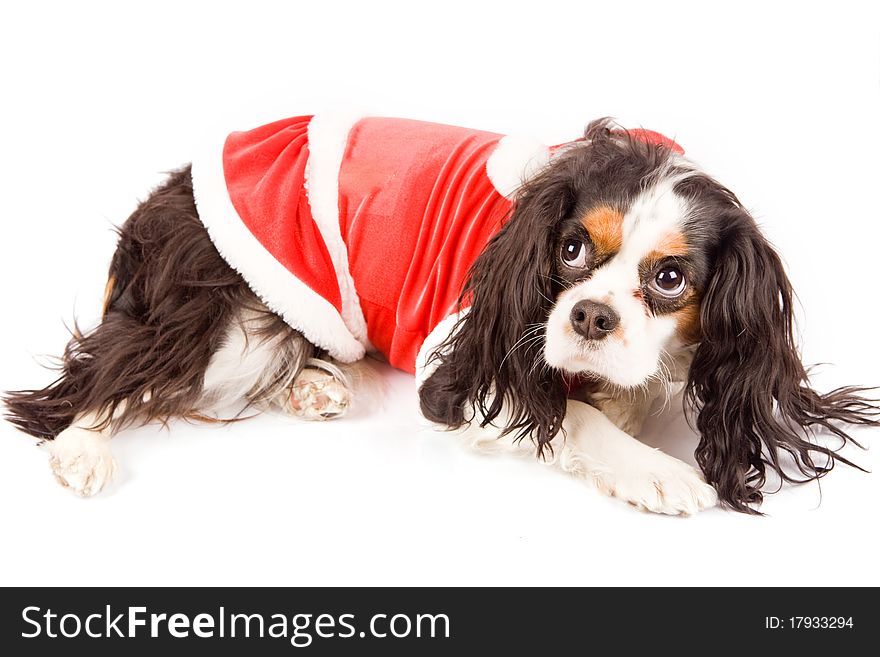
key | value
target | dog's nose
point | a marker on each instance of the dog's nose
(593, 320)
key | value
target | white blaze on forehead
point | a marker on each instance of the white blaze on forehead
(656, 213)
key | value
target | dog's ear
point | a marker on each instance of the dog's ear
(755, 408)
(491, 367)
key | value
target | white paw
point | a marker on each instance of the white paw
(81, 460)
(317, 395)
(662, 484)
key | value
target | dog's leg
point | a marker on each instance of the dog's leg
(80, 456)
(593, 448)
(259, 356)
(273, 365)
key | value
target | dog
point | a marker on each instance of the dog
(544, 297)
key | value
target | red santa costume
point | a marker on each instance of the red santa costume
(359, 234)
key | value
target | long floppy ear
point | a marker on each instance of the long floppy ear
(747, 381)
(493, 358)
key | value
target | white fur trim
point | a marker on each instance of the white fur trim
(424, 368)
(282, 292)
(514, 161)
(328, 136)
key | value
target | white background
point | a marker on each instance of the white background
(781, 103)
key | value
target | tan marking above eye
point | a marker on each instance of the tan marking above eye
(605, 227)
(673, 244)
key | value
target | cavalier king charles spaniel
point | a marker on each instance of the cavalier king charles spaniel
(543, 297)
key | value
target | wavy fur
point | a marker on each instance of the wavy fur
(747, 383)
(489, 362)
(171, 300)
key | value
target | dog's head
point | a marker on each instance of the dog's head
(634, 251)
(618, 255)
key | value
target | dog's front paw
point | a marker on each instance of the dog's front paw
(662, 484)
(317, 395)
(81, 461)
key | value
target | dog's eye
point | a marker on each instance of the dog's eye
(574, 253)
(669, 281)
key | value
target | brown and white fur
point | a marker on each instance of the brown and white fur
(622, 268)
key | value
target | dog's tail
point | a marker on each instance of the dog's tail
(46, 412)
(169, 300)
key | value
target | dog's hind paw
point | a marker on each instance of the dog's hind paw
(317, 395)
(81, 460)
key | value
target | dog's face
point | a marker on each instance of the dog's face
(631, 259)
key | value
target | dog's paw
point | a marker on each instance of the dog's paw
(663, 484)
(81, 461)
(317, 395)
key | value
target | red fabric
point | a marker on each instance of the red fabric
(651, 137)
(265, 175)
(416, 208)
